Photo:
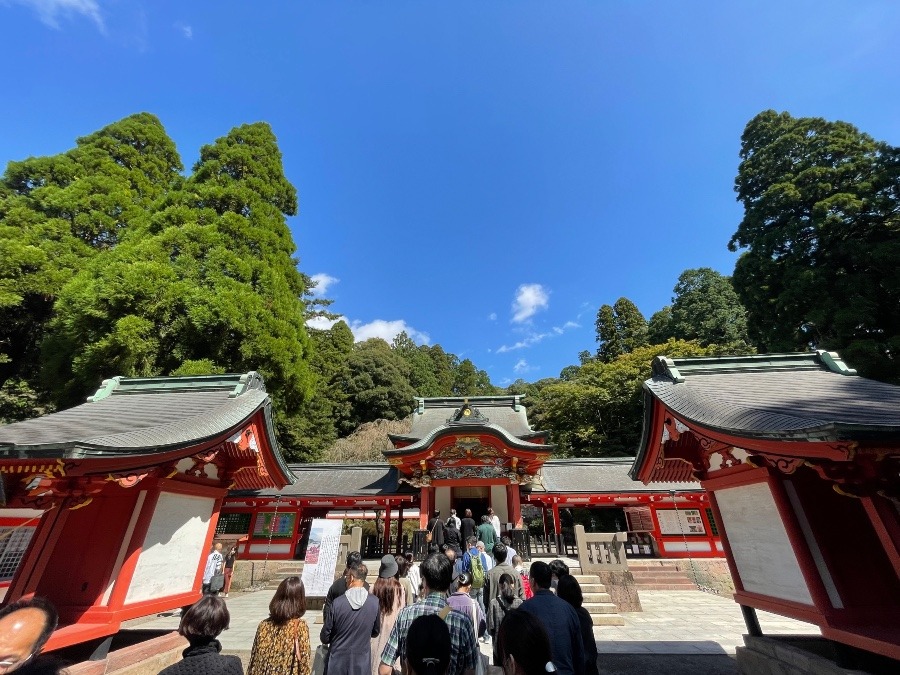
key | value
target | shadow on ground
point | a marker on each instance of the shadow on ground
(702, 657)
(667, 664)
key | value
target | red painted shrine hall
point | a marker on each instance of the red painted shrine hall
(801, 458)
(475, 453)
(109, 508)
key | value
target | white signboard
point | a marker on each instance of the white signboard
(762, 551)
(321, 556)
(173, 548)
(682, 521)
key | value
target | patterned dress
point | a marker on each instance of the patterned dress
(273, 649)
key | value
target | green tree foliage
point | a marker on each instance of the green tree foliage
(377, 384)
(57, 213)
(706, 309)
(620, 329)
(599, 413)
(822, 231)
(659, 328)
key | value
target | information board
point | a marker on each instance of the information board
(682, 521)
(321, 556)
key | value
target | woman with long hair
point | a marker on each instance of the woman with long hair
(201, 625)
(403, 577)
(281, 645)
(506, 601)
(523, 645)
(427, 646)
(391, 599)
(569, 589)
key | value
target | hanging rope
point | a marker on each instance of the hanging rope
(705, 589)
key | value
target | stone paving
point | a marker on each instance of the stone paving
(673, 622)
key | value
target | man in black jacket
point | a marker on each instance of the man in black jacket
(436, 527)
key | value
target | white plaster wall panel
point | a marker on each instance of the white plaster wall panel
(680, 546)
(498, 503)
(274, 548)
(759, 543)
(173, 549)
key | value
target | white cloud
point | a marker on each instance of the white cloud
(534, 338)
(522, 367)
(530, 298)
(386, 330)
(322, 282)
(49, 11)
(185, 29)
(492, 316)
(322, 322)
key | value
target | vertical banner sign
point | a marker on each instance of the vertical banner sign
(321, 556)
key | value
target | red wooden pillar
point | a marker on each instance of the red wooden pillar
(514, 504)
(427, 506)
(399, 548)
(544, 518)
(386, 540)
(557, 527)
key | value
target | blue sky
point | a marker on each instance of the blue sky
(482, 174)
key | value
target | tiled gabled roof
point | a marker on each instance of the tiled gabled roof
(807, 396)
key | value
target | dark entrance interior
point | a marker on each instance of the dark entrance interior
(475, 498)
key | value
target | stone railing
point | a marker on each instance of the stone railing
(600, 552)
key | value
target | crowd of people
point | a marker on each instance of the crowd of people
(419, 619)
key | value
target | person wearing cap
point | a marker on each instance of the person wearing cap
(339, 587)
(391, 599)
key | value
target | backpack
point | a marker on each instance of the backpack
(477, 571)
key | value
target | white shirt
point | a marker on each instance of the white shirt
(415, 580)
(457, 521)
(213, 562)
(495, 521)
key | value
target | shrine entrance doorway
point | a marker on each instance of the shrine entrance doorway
(471, 497)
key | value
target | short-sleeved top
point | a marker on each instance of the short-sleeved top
(463, 644)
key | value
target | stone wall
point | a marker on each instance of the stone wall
(794, 655)
(250, 573)
(708, 572)
(145, 658)
(622, 591)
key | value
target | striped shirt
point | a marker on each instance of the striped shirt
(464, 650)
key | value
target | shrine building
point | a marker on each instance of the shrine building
(475, 453)
(801, 460)
(109, 509)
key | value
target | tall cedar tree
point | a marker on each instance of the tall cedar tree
(208, 284)
(822, 231)
(620, 329)
(707, 309)
(377, 384)
(57, 213)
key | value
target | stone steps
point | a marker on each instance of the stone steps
(597, 601)
(660, 576)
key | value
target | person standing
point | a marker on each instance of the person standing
(495, 523)
(569, 589)
(486, 534)
(452, 536)
(350, 627)
(339, 587)
(467, 526)
(201, 625)
(492, 583)
(403, 578)
(524, 645)
(436, 528)
(505, 601)
(415, 577)
(559, 620)
(428, 647)
(511, 552)
(230, 558)
(391, 596)
(281, 645)
(214, 562)
(437, 573)
(455, 519)
(462, 602)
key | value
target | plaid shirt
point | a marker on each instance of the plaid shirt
(463, 645)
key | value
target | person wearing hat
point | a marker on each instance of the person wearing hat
(339, 587)
(391, 599)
